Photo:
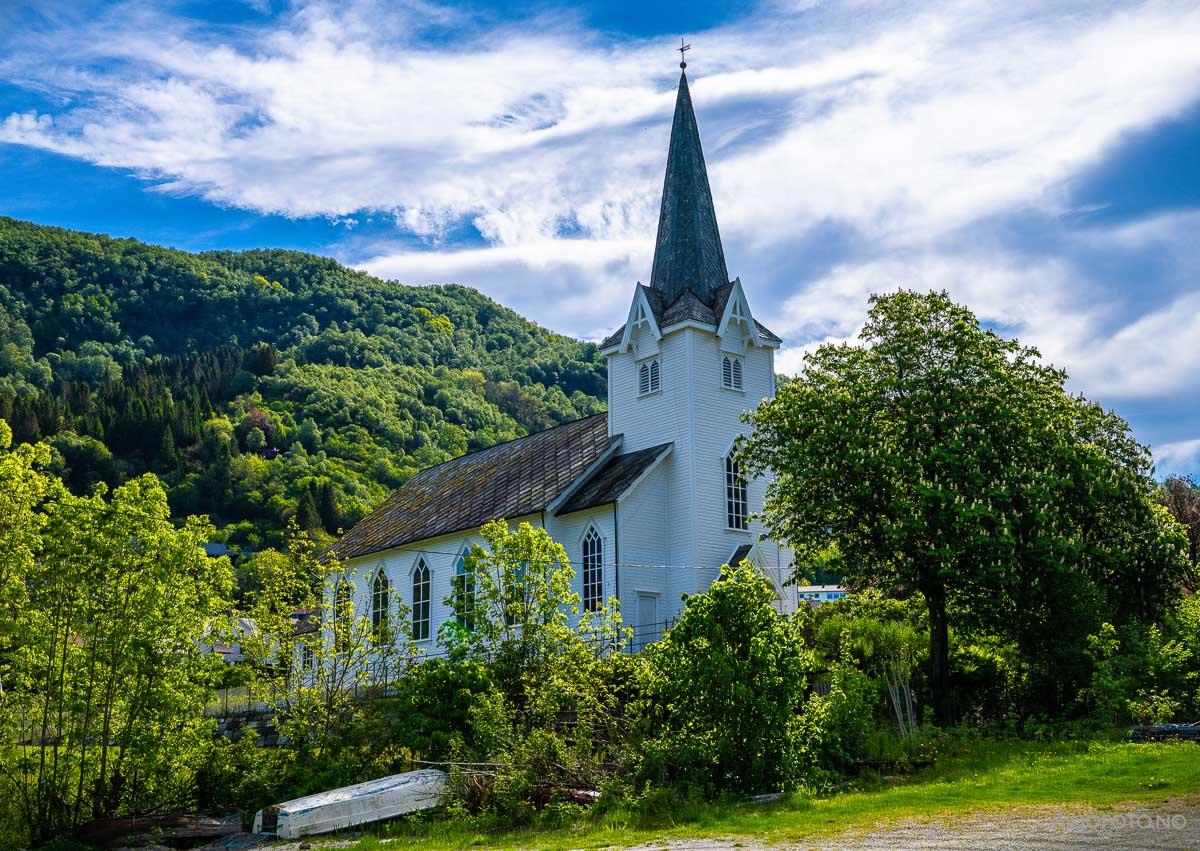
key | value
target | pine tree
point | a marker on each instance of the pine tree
(168, 455)
(327, 505)
(308, 517)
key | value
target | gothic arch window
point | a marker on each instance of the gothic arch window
(593, 570)
(464, 592)
(343, 614)
(736, 502)
(420, 601)
(381, 598)
(649, 377)
(731, 372)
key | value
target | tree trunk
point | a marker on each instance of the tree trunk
(939, 656)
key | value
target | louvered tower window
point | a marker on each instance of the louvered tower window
(648, 377)
(731, 373)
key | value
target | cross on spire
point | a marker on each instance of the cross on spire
(683, 48)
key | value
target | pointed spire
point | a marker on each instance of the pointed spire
(688, 255)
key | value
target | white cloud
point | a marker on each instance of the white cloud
(1179, 457)
(568, 279)
(912, 127)
(905, 126)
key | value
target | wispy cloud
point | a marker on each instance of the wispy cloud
(1178, 457)
(919, 133)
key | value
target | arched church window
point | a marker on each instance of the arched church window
(648, 377)
(593, 570)
(736, 507)
(343, 614)
(464, 592)
(731, 373)
(381, 594)
(420, 601)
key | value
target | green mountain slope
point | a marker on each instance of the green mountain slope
(263, 384)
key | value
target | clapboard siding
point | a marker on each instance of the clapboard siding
(441, 556)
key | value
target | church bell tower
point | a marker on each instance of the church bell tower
(689, 360)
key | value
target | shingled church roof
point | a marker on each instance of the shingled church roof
(615, 477)
(509, 480)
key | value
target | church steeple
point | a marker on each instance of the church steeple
(688, 254)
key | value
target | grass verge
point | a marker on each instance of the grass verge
(974, 777)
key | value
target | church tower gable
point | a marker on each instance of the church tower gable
(737, 325)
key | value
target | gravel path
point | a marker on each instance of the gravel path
(1162, 826)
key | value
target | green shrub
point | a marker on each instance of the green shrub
(241, 775)
(432, 709)
(722, 689)
(828, 739)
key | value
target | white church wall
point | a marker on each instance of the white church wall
(702, 417)
(570, 529)
(440, 556)
(645, 520)
(661, 417)
(718, 422)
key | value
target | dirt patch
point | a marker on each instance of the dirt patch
(1172, 825)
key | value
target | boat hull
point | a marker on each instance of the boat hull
(350, 806)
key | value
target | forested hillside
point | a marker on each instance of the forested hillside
(263, 384)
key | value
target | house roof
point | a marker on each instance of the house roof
(739, 555)
(615, 477)
(509, 480)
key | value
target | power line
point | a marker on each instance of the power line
(89, 507)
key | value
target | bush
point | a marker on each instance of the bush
(1144, 673)
(722, 689)
(431, 714)
(829, 738)
(242, 776)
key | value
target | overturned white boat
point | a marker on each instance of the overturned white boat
(349, 806)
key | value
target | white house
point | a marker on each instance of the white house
(646, 499)
(815, 595)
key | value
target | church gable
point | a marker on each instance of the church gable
(737, 326)
(642, 325)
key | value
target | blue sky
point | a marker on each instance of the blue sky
(1039, 160)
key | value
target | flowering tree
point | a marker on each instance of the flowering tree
(939, 456)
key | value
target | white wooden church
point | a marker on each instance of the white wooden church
(646, 498)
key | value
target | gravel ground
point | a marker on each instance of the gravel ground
(1166, 826)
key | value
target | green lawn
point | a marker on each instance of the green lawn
(974, 778)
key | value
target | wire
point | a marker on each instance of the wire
(87, 506)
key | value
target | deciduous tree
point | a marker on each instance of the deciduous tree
(939, 456)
